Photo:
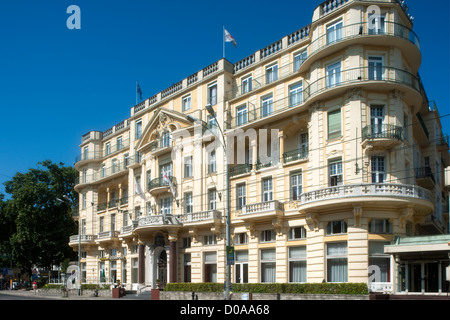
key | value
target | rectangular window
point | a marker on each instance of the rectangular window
(246, 84)
(101, 225)
(266, 106)
(299, 59)
(212, 94)
(297, 233)
(212, 199)
(379, 262)
(241, 115)
(376, 121)
(166, 168)
(210, 263)
(377, 24)
(296, 94)
(336, 259)
(188, 169)
(85, 153)
(267, 265)
(112, 222)
(138, 129)
(296, 185)
(209, 240)
(376, 69)
(188, 206)
(187, 267)
(186, 242)
(212, 162)
(186, 103)
(267, 236)
(334, 32)
(267, 189)
(334, 124)
(108, 148)
(102, 271)
(241, 238)
(83, 201)
(336, 227)
(335, 173)
(333, 76)
(297, 264)
(212, 124)
(124, 271)
(165, 140)
(166, 205)
(378, 170)
(241, 266)
(134, 270)
(380, 226)
(119, 143)
(271, 73)
(241, 198)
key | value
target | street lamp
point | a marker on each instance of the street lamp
(210, 110)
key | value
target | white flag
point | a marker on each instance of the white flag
(229, 38)
(138, 189)
(169, 182)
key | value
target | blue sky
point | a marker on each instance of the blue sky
(57, 84)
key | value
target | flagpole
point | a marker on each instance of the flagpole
(136, 93)
(223, 42)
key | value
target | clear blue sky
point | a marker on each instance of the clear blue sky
(57, 84)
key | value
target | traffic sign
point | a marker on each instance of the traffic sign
(230, 255)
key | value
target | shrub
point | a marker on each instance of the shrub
(293, 288)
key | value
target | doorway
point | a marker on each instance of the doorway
(161, 279)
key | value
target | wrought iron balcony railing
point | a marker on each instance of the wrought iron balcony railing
(382, 131)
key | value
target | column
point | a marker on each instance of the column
(141, 261)
(173, 256)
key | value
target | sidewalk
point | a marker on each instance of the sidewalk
(41, 294)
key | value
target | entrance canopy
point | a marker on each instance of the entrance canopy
(420, 248)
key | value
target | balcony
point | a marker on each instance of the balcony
(442, 142)
(376, 79)
(85, 157)
(128, 229)
(203, 217)
(161, 185)
(425, 177)
(295, 155)
(84, 239)
(158, 220)
(240, 169)
(388, 34)
(384, 193)
(382, 135)
(161, 146)
(105, 238)
(261, 211)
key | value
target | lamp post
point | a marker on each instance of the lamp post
(210, 110)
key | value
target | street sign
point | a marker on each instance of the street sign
(230, 255)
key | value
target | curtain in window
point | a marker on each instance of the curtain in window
(268, 267)
(297, 264)
(337, 262)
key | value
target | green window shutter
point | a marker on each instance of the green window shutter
(334, 124)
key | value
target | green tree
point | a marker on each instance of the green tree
(43, 221)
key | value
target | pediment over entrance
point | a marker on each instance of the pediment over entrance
(162, 121)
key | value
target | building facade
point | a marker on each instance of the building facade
(325, 141)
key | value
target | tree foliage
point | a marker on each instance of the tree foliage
(36, 222)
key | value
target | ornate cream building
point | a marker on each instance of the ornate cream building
(355, 158)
